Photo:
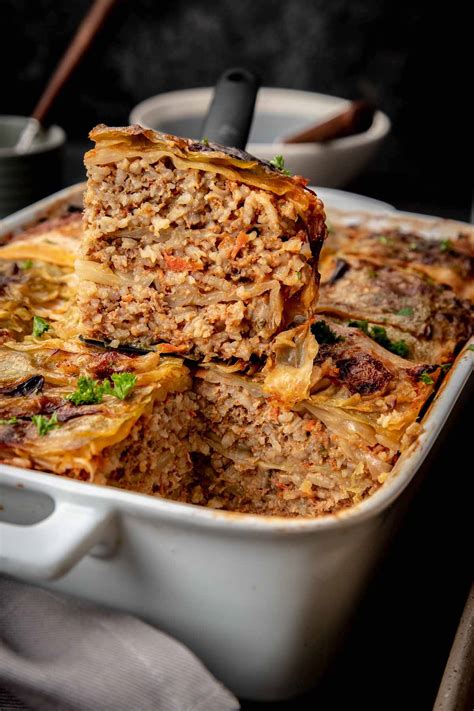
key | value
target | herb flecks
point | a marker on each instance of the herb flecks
(361, 325)
(446, 245)
(204, 140)
(470, 347)
(88, 392)
(426, 378)
(9, 421)
(278, 162)
(324, 333)
(91, 392)
(123, 384)
(26, 264)
(40, 326)
(44, 425)
(379, 335)
(383, 239)
(405, 311)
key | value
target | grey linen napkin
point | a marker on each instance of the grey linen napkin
(57, 653)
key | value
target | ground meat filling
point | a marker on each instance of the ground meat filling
(265, 459)
(191, 258)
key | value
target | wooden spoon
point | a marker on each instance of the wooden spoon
(82, 40)
(357, 118)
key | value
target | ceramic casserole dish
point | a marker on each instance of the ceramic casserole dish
(263, 601)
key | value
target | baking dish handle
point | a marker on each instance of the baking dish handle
(49, 549)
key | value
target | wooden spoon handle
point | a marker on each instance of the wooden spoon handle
(71, 58)
(355, 119)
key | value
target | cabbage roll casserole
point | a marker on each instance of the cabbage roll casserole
(199, 334)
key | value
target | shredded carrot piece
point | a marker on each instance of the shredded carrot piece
(169, 348)
(310, 425)
(177, 264)
(241, 241)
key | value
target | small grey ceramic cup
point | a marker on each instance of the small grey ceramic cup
(27, 177)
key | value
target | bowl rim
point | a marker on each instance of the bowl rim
(55, 137)
(380, 127)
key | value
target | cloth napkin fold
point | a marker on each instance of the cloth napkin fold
(61, 654)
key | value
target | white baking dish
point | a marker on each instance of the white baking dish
(263, 601)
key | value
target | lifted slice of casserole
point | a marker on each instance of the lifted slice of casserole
(194, 244)
(97, 416)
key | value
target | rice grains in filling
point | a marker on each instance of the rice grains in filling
(192, 258)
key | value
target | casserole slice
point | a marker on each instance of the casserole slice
(326, 452)
(37, 277)
(441, 250)
(403, 309)
(97, 416)
(194, 244)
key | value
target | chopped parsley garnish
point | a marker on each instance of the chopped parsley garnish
(446, 245)
(379, 335)
(413, 246)
(324, 333)
(204, 140)
(87, 392)
(426, 378)
(362, 325)
(26, 264)
(40, 326)
(470, 347)
(123, 384)
(445, 367)
(372, 273)
(405, 311)
(383, 239)
(44, 424)
(91, 392)
(298, 276)
(278, 162)
(9, 421)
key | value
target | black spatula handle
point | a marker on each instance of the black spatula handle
(230, 115)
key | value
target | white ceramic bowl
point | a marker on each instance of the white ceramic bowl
(278, 112)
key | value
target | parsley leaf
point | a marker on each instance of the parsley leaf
(43, 424)
(324, 333)
(426, 378)
(204, 141)
(26, 264)
(470, 347)
(362, 325)
(446, 245)
(405, 311)
(383, 239)
(91, 392)
(278, 162)
(379, 335)
(9, 421)
(87, 392)
(445, 367)
(123, 384)
(40, 326)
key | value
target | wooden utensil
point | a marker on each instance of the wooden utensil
(82, 40)
(356, 118)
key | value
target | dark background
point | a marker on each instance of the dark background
(411, 58)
